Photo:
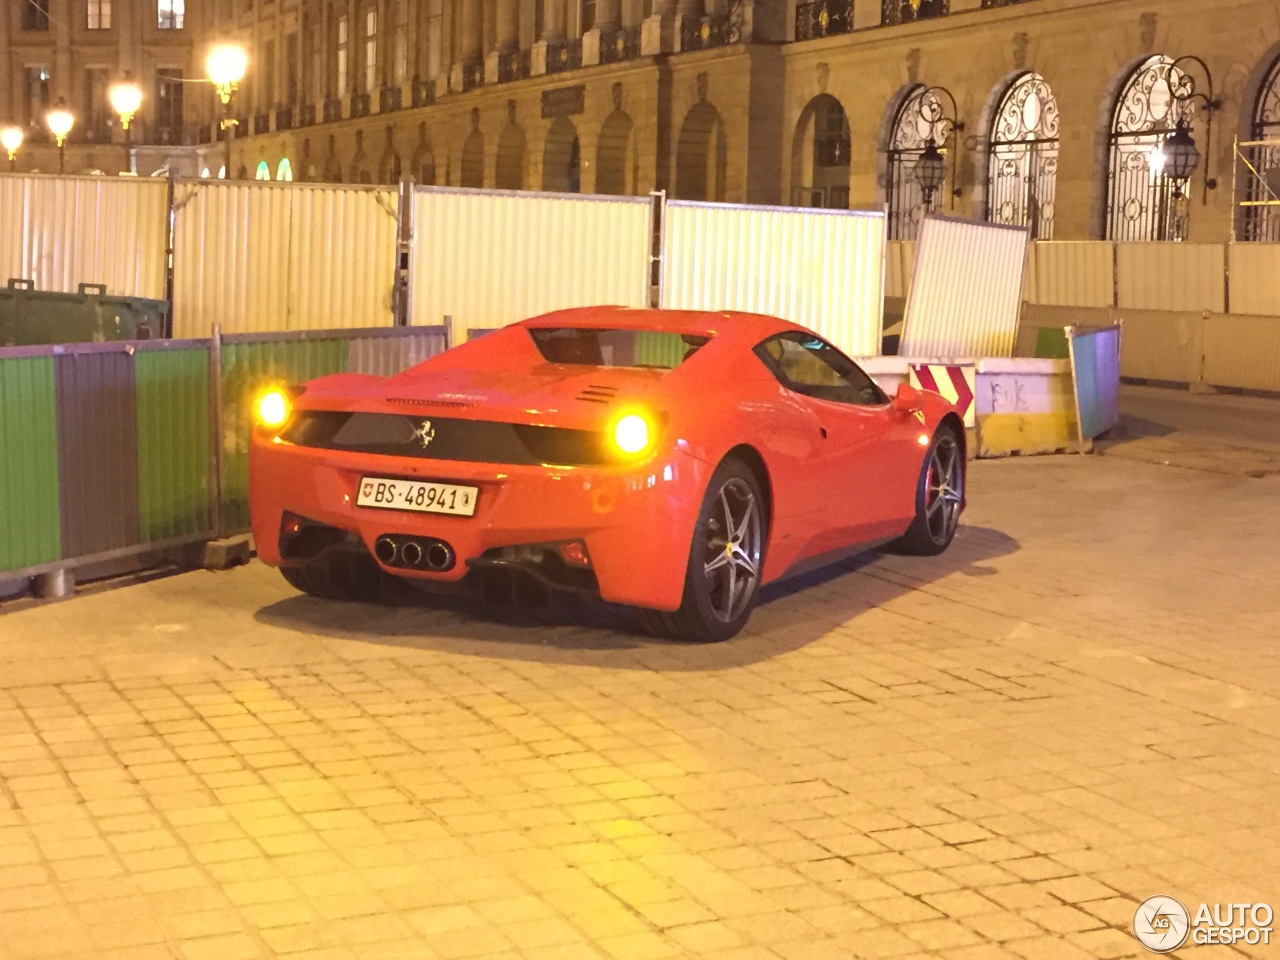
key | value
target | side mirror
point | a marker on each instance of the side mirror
(908, 399)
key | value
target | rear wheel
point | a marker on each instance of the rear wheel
(722, 578)
(939, 495)
(341, 575)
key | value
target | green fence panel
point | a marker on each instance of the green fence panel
(30, 522)
(248, 368)
(1051, 343)
(173, 442)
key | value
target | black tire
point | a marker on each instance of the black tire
(939, 496)
(716, 604)
(339, 575)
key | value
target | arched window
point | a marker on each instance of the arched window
(263, 172)
(1261, 221)
(473, 160)
(1023, 168)
(562, 159)
(912, 129)
(702, 155)
(285, 171)
(820, 152)
(1142, 203)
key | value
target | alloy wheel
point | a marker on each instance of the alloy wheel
(732, 560)
(944, 489)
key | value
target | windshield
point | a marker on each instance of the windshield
(615, 348)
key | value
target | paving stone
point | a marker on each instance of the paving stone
(988, 755)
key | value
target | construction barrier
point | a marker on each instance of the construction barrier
(1022, 405)
(118, 449)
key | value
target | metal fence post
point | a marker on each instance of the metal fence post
(404, 255)
(170, 213)
(215, 428)
(657, 249)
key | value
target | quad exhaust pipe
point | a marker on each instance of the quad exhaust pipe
(414, 553)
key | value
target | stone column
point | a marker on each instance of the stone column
(608, 19)
(553, 31)
(508, 26)
(9, 83)
(608, 14)
(506, 36)
(472, 31)
(556, 20)
(658, 33)
(471, 40)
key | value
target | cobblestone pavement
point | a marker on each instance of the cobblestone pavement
(995, 753)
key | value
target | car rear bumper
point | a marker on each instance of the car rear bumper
(636, 521)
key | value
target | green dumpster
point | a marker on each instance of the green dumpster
(29, 316)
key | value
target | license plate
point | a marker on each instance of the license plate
(390, 494)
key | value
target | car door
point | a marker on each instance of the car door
(861, 477)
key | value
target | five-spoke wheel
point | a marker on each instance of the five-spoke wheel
(722, 579)
(939, 497)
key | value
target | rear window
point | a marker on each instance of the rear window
(615, 348)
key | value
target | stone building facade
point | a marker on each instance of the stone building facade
(1050, 113)
(72, 51)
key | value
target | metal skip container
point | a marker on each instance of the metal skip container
(29, 316)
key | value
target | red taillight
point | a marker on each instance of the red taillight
(574, 553)
(290, 525)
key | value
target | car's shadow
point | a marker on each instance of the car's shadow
(791, 614)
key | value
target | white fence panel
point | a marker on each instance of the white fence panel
(260, 257)
(64, 231)
(1242, 351)
(820, 268)
(1072, 273)
(1254, 273)
(966, 290)
(1170, 276)
(488, 258)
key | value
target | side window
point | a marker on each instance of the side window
(811, 366)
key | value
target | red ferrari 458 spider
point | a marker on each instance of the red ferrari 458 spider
(674, 461)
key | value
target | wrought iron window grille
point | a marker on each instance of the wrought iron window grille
(389, 99)
(894, 12)
(564, 55)
(825, 18)
(516, 65)
(620, 45)
(424, 92)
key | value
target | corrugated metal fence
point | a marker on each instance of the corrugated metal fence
(820, 268)
(488, 258)
(64, 231)
(113, 449)
(277, 256)
(966, 290)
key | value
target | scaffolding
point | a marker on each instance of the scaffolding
(1255, 183)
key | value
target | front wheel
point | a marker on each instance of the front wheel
(939, 496)
(722, 578)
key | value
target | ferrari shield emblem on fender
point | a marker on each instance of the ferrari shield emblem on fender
(425, 433)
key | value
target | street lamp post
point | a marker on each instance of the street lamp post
(1180, 156)
(60, 121)
(11, 139)
(226, 65)
(126, 98)
(931, 169)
